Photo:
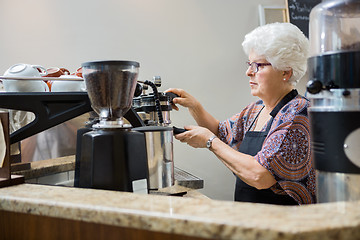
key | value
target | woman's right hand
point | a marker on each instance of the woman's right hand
(184, 99)
(197, 111)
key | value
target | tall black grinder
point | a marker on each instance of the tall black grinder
(112, 156)
(334, 84)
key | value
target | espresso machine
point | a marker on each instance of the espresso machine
(334, 87)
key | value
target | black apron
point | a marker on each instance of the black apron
(252, 144)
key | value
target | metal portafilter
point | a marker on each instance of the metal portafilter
(159, 137)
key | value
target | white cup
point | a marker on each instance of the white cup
(25, 70)
(68, 86)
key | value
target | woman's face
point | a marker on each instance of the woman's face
(265, 83)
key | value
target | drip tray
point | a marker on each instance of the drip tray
(184, 182)
(187, 180)
(170, 191)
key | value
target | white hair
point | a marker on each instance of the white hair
(283, 45)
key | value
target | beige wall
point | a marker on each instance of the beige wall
(191, 44)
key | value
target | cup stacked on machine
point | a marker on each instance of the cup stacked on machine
(40, 82)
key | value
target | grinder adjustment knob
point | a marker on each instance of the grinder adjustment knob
(138, 90)
(314, 86)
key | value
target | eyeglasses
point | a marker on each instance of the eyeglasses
(254, 66)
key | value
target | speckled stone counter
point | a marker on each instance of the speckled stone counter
(203, 218)
(47, 167)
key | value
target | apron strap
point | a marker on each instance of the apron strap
(269, 125)
(253, 122)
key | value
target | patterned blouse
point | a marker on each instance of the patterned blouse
(286, 152)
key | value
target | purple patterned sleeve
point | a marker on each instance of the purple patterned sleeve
(286, 152)
(232, 130)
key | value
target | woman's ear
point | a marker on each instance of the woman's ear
(287, 74)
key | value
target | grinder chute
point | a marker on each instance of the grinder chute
(334, 87)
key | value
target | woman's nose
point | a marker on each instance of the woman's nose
(249, 72)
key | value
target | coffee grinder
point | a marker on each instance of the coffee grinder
(113, 156)
(334, 87)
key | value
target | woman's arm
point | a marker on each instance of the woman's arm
(243, 165)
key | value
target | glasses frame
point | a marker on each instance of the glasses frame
(255, 66)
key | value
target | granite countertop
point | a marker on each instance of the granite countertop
(193, 215)
(186, 216)
(47, 167)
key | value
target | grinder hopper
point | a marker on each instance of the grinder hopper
(110, 86)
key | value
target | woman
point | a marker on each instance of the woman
(266, 145)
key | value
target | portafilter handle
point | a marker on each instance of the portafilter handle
(171, 96)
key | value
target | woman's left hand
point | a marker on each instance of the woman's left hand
(195, 136)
